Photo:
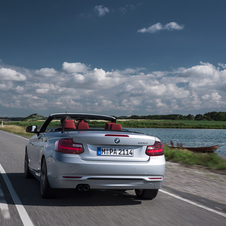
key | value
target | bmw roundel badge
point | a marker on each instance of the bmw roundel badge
(116, 140)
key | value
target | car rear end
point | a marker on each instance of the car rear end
(107, 160)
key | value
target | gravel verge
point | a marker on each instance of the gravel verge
(197, 181)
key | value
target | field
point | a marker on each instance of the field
(142, 123)
(183, 124)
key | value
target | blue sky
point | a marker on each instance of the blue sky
(112, 57)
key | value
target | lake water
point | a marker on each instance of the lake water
(189, 137)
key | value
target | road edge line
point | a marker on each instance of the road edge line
(20, 208)
(193, 203)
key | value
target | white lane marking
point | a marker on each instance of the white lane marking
(3, 205)
(15, 135)
(20, 208)
(193, 203)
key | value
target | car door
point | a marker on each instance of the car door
(35, 149)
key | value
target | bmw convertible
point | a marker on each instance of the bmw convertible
(70, 152)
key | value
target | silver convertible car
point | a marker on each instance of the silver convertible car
(68, 153)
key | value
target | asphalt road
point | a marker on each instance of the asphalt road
(21, 204)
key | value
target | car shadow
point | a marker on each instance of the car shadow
(29, 194)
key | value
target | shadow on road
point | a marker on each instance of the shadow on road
(29, 194)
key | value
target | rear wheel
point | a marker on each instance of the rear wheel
(146, 193)
(26, 167)
(45, 189)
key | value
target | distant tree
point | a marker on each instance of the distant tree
(207, 117)
(210, 115)
(198, 117)
(181, 117)
(34, 117)
(220, 116)
(134, 117)
(216, 116)
(190, 117)
(213, 115)
(122, 117)
(172, 117)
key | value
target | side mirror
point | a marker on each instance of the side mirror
(32, 129)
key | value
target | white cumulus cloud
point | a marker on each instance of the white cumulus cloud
(74, 67)
(101, 10)
(158, 27)
(79, 88)
(204, 70)
(11, 75)
(47, 72)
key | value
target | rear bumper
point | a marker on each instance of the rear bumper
(65, 172)
(115, 182)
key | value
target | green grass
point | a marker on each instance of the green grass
(19, 130)
(139, 123)
(209, 160)
(37, 123)
(185, 124)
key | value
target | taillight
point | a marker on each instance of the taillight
(155, 150)
(68, 146)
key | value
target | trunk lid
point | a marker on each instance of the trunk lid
(113, 146)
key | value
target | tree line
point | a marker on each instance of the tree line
(210, 116)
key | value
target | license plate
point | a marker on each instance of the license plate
(114, 152)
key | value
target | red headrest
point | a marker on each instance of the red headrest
(82, 125)
(69, 124)
(116, 127)
(108, 125)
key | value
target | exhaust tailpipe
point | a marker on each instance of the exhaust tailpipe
(80, 187)
(86, 187)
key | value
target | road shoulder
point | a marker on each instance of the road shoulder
(198, 181)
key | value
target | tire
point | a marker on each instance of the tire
(146, 193)
(45, 189)
(27, 171)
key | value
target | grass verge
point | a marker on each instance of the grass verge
(19, 130)
(211, 161)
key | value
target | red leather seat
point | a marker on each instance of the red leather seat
(116, 127)
(69, 124)
(82, 125)
(108, 125)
